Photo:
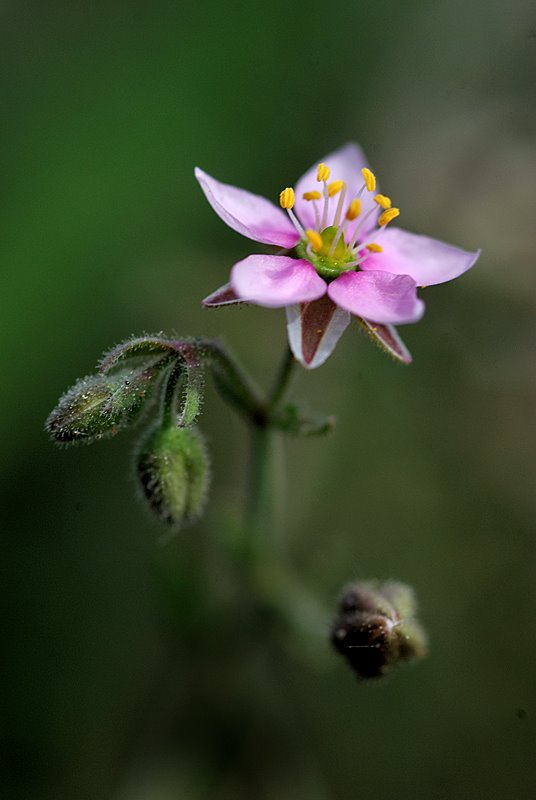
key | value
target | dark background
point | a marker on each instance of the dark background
(123, 681)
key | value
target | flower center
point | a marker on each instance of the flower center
(335, 243)
(327, 252)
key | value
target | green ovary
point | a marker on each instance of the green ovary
(329, 265)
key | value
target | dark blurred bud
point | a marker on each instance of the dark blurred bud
(101, 405)
(173, 473)
(376, 628)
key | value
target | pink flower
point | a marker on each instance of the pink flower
(338, 257)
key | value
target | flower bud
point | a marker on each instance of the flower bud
(100, 405)
(376, 628)
(173, 473)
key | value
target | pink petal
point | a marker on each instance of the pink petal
(386, 337)
(276, 281)
(427, 261)
(314, 329)
(345, 164)
(224, 296)
(379, 296)
(249, 214)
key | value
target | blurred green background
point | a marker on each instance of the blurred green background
(131, 672)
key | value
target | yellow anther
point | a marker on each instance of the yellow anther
(323, 173)
(387, 216)
(383, 201)
(312, 196)
(315, 240)
(354, 209)
(374, 248)
(286, 198)
(335, 187)
(369, 178)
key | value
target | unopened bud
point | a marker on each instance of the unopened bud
(173, 473)
(100, 405)
(376, 628)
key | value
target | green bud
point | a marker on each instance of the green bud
(100, 405)
(376, 628)
(173, 473)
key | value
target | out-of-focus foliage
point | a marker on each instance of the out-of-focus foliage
(139, 671)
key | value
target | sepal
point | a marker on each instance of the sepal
(224, 296)
(136, 348)
(387, 338)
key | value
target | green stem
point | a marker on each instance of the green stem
(266, 491)
(282, 379)
(234, 385)
(266, 528)
(266, 499)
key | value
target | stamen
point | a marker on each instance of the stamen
(361, 256)
(287, 198)
(340, 205)
(311, 196)
(370, 245)
(383, 201)
(354, 209)
(322, 173)
(356, 263)
(315, 239)
(335, 187)
(369, 178)
(295, 222)
(360, 224)
(387, 216)
(326, 206)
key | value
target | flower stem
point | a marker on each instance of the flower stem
(266, 497)
(282, 379)
(272, 576)
(266, 491)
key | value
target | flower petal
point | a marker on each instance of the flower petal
(249, 214)
(379, 296)
(276, 281)
(427, 261)
(314, 329)
(386, 337)
(345, 164)
(224, 296)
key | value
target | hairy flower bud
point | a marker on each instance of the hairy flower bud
(173, 473)
(101, 405)
(376, 628)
